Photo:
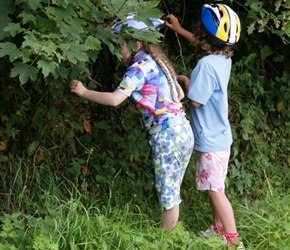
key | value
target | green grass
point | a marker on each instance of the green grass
(264, 224)
(61, 214)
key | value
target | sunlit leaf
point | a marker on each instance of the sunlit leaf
(3, 145)
(281, 105)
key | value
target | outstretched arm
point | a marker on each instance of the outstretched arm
(172, 22)
(105, 98)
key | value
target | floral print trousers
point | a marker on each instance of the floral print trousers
(172, 149)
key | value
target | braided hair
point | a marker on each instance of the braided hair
(167, 68)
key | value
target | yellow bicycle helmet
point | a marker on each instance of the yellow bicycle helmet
(221, 23)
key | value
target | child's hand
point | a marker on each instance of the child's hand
(77, 87)
(172, 22)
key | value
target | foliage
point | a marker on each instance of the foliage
(49, 136)
(269, 217)
(270, 17)
(45, 44)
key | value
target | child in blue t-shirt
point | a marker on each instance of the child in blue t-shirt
(152, 83)
(218, 30)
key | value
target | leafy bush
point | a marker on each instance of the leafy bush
(45, 44)
(49, 136)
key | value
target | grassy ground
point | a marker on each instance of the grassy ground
(53, 213)
(82, 223)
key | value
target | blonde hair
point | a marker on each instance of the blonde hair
(201, 44)
(167, 68)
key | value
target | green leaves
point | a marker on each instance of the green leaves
(47, 67)
(7, 8)
(67, 32)
(34, 4)
(59, 13)
(270, 17)
(27, 17)
(24, 71)
(266, 51)
(13, 29)
(9, 49)
(75, 53)
(62, 3)
(93, 43)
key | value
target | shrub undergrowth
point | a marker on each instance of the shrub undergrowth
(76, 175)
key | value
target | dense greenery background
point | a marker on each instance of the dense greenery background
(53, 143)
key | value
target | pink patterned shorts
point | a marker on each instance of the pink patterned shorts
(211, 170)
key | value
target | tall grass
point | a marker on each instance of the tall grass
(265, 224)
(66, 215)
(70, 225)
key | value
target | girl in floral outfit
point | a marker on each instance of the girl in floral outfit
(152, 83)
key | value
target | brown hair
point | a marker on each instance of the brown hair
(201, 44)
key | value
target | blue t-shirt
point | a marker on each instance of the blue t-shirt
(208, 86)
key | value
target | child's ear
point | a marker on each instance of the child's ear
(138, 44)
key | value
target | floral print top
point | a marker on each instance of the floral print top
(150, 90)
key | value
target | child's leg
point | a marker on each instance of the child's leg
(217, 225)
(222, 208)
(222, 211)
(210, 175)
(170, 217)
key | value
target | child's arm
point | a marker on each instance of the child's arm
(183, 80)
(173, 23)
(104, 98)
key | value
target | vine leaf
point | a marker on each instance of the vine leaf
(34, 4)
